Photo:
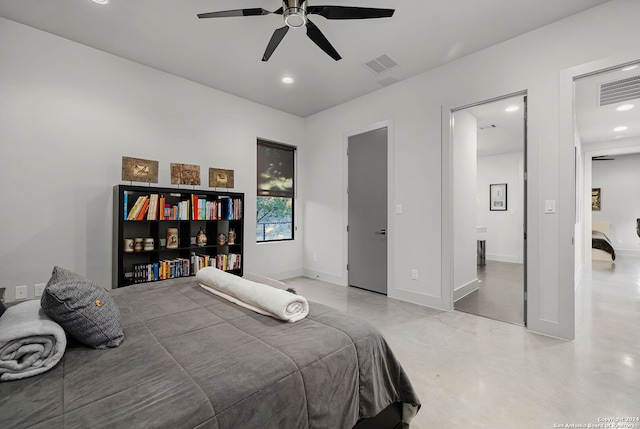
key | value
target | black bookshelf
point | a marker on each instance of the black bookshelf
(224, 213)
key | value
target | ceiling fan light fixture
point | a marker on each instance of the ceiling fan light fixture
(295, 17)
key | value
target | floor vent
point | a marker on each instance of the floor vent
(381, 64)
(620, 90)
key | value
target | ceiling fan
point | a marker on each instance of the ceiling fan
(295, 16)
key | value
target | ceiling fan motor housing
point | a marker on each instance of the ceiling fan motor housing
(295, 13)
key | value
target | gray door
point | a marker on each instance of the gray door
(367, 221)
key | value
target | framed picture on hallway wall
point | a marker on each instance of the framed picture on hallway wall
(498, 197)
(595, 198)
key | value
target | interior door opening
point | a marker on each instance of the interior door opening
(489, 209)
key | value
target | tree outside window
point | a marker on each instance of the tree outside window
(275, 193)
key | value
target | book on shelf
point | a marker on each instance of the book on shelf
(125, 198)
(162, 270)
(136, 207)
(152, 213)
(227, 262)
(161, 205)
(143, 210)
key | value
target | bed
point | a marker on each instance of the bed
(193, 360)
(601, 246)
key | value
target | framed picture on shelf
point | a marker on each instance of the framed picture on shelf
(498, 197)
(219, 178)
(185, 174)
(596, 198)
(139, 170)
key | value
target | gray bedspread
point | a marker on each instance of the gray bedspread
(192, 360)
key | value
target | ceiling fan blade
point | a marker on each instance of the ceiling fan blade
(238, 12)
(277, 37)
(318, 38)
(349, 12)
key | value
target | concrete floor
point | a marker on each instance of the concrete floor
(475, 372)
(500, 293)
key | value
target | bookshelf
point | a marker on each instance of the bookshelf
(166, 222)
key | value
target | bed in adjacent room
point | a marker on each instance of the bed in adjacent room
(191, 359)
(601, 246)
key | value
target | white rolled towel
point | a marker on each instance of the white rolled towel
(257, 297)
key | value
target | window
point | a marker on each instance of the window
(275, 197)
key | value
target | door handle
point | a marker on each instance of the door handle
(382, 232)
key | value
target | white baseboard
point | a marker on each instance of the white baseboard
(504, 258)
(284, 274)
(340, 281)
(465, 290)
(628, 252)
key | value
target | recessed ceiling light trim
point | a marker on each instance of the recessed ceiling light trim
(511, 109)
(101, 1)
(287, 80)
(620, 129)
(624, 107)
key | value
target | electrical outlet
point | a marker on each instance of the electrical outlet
(21, 292)
(38, 289)
(414, 274)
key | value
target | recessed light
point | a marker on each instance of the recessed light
(635, 66)
(287, 80)
(624, 107)
(620, 129)
(101, 1)
(512, 109)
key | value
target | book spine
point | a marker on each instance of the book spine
(126, 205)
(143, 209)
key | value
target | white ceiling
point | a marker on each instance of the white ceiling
(596, 123)
(499, 130)
(225, 53)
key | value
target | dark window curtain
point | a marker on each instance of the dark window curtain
(275, 170)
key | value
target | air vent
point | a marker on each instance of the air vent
(486, 127)
(620, 90)
(381, 64)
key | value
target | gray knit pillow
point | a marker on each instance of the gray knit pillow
(85, 310)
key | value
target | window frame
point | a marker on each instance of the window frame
(293, 194)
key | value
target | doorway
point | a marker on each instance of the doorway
(607, 124)
(489, 209)
(367, 210)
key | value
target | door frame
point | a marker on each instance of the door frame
(447, 197)
(390, 198)
(568, 128)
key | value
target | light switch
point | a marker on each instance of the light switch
(398, 208)
(549, 206)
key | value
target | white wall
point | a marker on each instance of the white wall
(533, 62)
(620, 200)
(616, 147)
(68, 113)
(505, 235)
(465, 147)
